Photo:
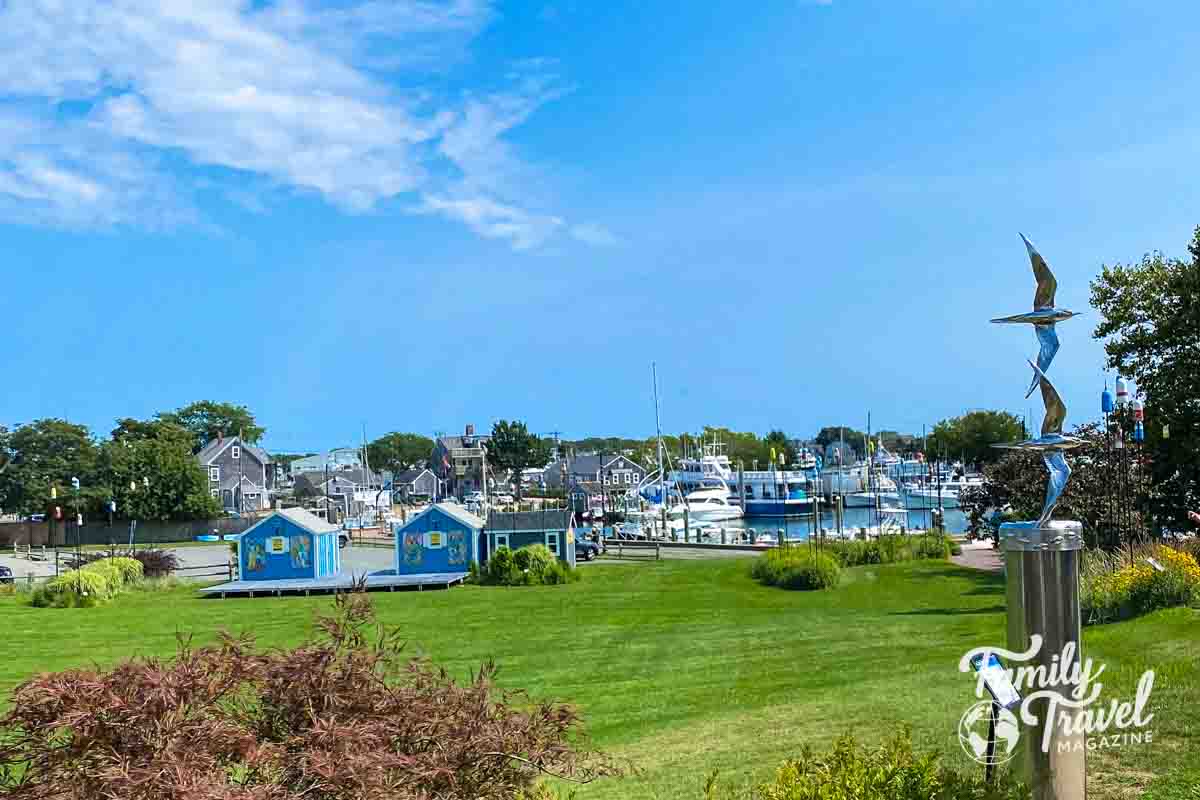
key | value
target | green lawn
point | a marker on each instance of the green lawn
(686, 666)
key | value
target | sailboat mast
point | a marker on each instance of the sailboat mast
(658, 433)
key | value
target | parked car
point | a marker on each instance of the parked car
(587, 549)
(6, 575)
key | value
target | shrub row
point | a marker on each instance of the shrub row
(1119, 586)
(892, 771)
(89, 585)
(534, 565)
(796, 568)
(891, 548)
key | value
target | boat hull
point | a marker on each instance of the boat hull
(779, 508)
(869, 500)
(921, 502)
(717, 514)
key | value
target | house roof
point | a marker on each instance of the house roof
(550, 520)
(410, 476)
(456, 442)
(217, 446)
(592, 463)
(298, 516)
(454, 511)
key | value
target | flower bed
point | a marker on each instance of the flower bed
(1122, 588)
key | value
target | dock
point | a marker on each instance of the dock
(383, 580)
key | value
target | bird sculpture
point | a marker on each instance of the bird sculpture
(1052, 443)
(1044, 315)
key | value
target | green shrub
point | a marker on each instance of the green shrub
(534, 565)
(75, 589)
(892, 771)
(890, 548)
(118, 571)
(796, 568)
(500, 569)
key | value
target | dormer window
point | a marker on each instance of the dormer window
(235, 452)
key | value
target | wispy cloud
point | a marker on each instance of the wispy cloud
(592, 233)
(101, 97)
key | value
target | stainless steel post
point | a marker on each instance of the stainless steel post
(1042, 566)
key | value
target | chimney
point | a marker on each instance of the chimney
(470, 430)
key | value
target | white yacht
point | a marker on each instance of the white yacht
(715, 504)
(761, 493)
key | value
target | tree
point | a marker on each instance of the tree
(780, 443)
(206, 420)
(854, 439)
(399, 451)
(156, 478)
(1150, 324)
(971, 436)
(43, 454)
(513, 447)
(1016, 483)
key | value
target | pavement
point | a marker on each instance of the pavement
(979, 555)
(200, 561)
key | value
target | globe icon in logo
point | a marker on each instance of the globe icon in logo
(973, 729)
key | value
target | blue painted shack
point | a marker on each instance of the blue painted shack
(289, 544)
(444, 538)
(554, 528)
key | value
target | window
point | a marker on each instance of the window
(215, 493)
(501, 540)
(552, 542)
(235, 452)
(636, 477)
(435, 540)
(627, 477)
(214, 473)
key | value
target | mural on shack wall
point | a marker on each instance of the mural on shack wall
(435, 542)
(279, 549)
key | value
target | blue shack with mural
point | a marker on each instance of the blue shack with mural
(444, 538)
(289, 544)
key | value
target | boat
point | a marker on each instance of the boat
(925, 497)
(774, 492)
(712, 508)
(871, 499)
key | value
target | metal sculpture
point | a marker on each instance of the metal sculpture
(1052, 443)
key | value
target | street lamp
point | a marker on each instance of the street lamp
(133, 487)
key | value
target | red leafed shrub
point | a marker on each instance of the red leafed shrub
(156, 563)
(344, 716)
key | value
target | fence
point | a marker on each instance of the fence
(65, 534)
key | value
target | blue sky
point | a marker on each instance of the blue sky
(414, 215)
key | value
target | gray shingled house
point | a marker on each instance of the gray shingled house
(240, 475)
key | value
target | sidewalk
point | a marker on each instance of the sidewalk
(979, 555)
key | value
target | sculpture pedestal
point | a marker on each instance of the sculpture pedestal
(1042, 565)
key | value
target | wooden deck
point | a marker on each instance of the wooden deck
(384, 580)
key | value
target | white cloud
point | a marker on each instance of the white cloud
(595, 234)
(495, 220)
(97, 98)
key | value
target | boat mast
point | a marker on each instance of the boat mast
(658, 432)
